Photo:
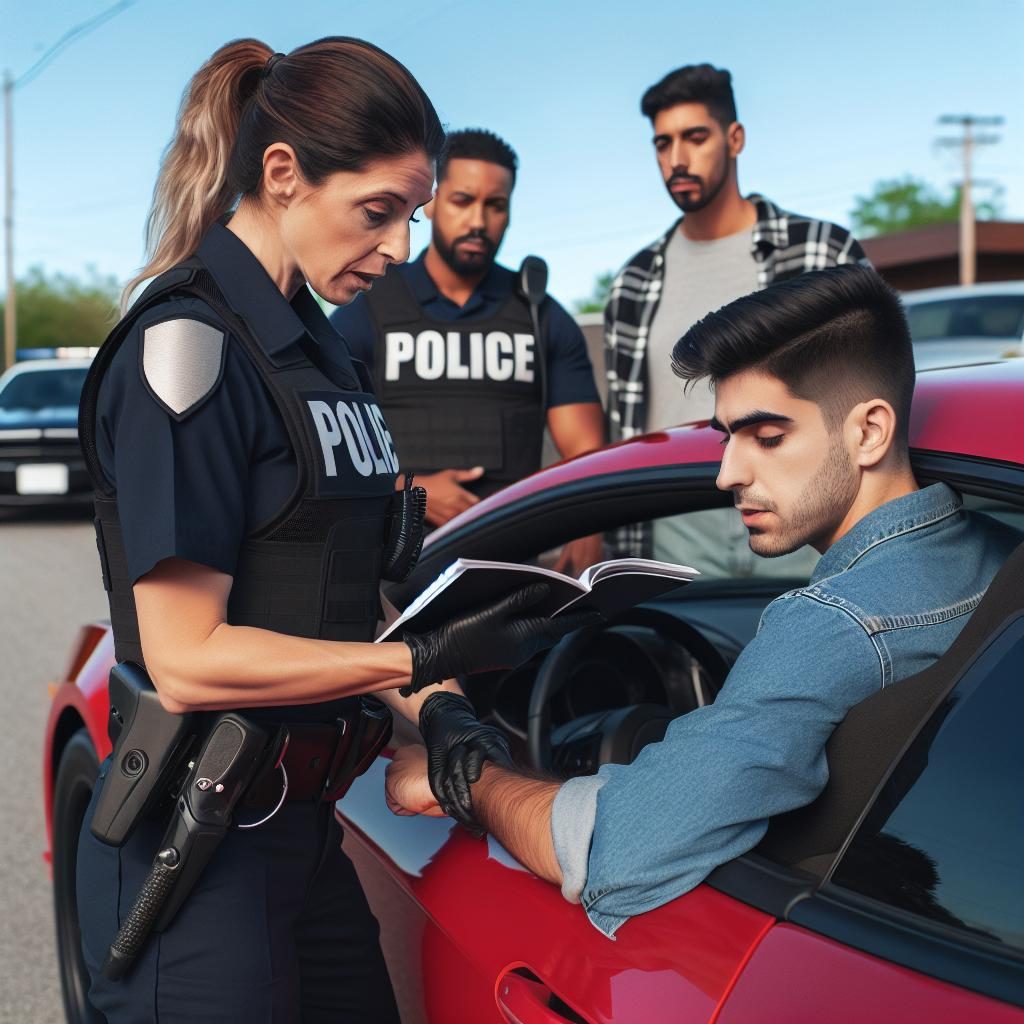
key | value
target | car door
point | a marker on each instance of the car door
(472, 936)
(922, 917)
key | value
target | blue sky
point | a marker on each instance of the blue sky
(833, 96)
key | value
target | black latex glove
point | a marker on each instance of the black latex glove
(457, 747)
(501, 635)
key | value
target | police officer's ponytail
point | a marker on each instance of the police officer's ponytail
(339, 103)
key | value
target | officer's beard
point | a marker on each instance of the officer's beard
(466, 264)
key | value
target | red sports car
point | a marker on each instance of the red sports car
(897, 896)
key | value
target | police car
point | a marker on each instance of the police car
(897, 896)
(40, 461)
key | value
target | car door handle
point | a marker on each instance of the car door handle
(524, 999)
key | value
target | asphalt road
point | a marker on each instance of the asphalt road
(50, 581)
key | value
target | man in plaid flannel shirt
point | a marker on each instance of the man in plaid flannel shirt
(723, 247)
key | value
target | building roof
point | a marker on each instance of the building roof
(942, 241)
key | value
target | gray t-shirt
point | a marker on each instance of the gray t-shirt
(699, 277)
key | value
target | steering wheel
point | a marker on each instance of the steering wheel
(621, 733)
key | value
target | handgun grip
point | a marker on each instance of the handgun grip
(151, 747)
(152, 897)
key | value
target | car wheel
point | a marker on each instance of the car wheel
(76, 777)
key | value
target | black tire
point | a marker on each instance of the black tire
(76, 778)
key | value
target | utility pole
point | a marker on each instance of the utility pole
(967, 142)
(10, 311)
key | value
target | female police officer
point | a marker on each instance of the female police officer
(244, 477)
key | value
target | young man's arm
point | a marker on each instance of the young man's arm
(636, 836)
(514, 808)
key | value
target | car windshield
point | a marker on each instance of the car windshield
(43, 389)
(981, 316)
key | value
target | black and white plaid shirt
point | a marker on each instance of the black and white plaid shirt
(784, 245)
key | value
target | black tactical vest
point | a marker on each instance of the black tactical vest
(459, 394)
(315, 569)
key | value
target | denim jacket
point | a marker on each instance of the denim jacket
(885, 601)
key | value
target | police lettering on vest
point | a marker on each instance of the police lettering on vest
(459, 394)
(431, 355)
(361, 426)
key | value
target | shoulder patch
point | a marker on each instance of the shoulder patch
(182, 363)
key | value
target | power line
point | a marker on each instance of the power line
(72, 34)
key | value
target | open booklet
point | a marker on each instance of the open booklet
(469, 584)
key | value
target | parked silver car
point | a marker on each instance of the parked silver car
(966, 324)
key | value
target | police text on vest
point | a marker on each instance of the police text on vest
(494, 355)
(364, 432)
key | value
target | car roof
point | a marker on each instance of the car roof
(965, 410)
(35, 365)
(963, 291)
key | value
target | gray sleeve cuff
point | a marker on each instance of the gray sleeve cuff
(572, 828)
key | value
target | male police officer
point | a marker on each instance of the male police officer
(464, 383)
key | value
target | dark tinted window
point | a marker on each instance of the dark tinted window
(982, 316)
(43, 389)
(1012, 515)
(945, 839)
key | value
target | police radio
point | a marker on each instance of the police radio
(533, 284)
(404, 532)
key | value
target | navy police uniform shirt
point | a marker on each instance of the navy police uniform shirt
(195, 486)
(570, 375)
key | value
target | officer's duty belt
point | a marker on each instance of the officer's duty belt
(315, 762)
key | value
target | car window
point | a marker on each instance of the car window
(1011, 515)
(715, 542)
(43, 389)
(945, 838)
(982, 316)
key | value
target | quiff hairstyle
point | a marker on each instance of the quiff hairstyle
(835, 337)
(695, 83)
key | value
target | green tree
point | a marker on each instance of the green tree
(595, 303)
(899, 204)
(58, 309)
